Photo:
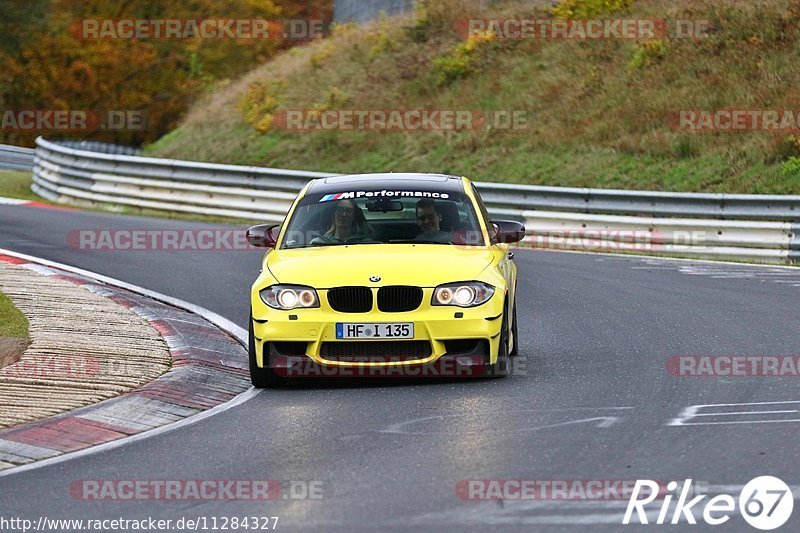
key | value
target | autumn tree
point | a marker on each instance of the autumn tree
(46, 62)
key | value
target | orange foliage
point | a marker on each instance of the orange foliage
(45, 64)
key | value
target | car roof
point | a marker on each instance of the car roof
(396, 180)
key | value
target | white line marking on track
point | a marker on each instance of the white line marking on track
(12, 201)
(694, 411)
(602, 421)
(746, 413)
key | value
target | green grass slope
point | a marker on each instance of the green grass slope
(12, 322)
(598, 111)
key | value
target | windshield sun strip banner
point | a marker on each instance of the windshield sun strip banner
(383, 194)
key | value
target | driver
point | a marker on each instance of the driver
(429, 221)
(348, 224)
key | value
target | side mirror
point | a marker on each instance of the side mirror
(263, 235)
(507, 231)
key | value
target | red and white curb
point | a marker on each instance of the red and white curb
(209, 375)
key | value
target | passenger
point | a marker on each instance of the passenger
(348, 224)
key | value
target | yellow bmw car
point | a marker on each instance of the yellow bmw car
(384, 275)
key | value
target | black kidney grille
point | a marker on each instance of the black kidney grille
(350, 299)
(375, 351)
(399, 298)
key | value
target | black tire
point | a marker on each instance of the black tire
(514, 332)
(261, 378)
(501, 368)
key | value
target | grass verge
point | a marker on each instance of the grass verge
(600, 113)
(17, 184)
(12, 322)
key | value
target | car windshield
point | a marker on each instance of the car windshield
(385, 217)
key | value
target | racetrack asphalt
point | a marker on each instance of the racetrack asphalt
(591, 399)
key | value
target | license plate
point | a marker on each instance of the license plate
(375, 330)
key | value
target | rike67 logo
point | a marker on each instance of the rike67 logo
(765, 503)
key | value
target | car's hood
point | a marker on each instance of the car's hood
(424, 265)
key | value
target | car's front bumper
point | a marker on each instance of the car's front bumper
(308, 329)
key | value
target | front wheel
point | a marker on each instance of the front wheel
(261, 378)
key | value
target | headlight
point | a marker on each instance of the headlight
(288, 297)
(463, 294)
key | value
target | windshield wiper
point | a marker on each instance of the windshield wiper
(345, 243)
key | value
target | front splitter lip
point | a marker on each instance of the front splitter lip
(446, 366)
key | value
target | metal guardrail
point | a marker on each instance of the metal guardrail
(15, 158)
(18, 158)
(66, 174)
(760, 228)
(104, 148)
(652, 203)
